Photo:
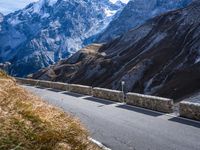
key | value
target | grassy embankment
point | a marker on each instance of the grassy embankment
(28, 123)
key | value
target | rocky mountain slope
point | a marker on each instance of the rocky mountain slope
(1, 20)
(49, 30)
(135, 13)
(161, 57)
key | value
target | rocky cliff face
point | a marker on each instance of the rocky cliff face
(1, 20)
(49, 30)
(1, 17)
(135, 13)
(161, 57)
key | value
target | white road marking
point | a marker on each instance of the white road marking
(99, 144)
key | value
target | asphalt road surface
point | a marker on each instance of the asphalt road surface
(122, 127)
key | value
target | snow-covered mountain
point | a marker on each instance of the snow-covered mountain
(161, 57)
(136, 13)
(49, 30)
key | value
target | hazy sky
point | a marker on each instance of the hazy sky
(8, 6)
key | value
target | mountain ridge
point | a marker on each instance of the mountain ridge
(136, 13)
(161, 58)
(46, 31)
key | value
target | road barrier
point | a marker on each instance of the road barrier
(27, 81)
(187, 109)
(150, 102)
(190, 110)
(46, 84)
(81, 89)
(108, 94)
(60, 86)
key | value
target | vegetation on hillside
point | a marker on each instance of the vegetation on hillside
(28, 123)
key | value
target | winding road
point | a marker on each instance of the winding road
(122, 127)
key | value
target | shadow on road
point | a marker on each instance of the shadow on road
(98, 100)
(39, 87)
(25, 84)
(54, 90)
(186, 122)
(139, 110)
(73, 94)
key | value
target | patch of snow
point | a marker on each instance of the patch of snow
(14, 21)
(72, 45)
(55, 24)
(38, 5)
(45, 15)
(57, 39)
(50, 55)
(50, 40)
(115, 1)
(52, 2)
(109, 13)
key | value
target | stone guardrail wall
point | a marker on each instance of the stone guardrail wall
(57, 85)
(190, 110)
(27, 81)
(150, 102)
(108, 94)
(46, 84)
(81, 89)
(60, 86)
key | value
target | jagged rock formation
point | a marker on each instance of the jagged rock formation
(161, 57)
(135, 13)
(49, 30)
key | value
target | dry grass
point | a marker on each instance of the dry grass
(27, 123)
